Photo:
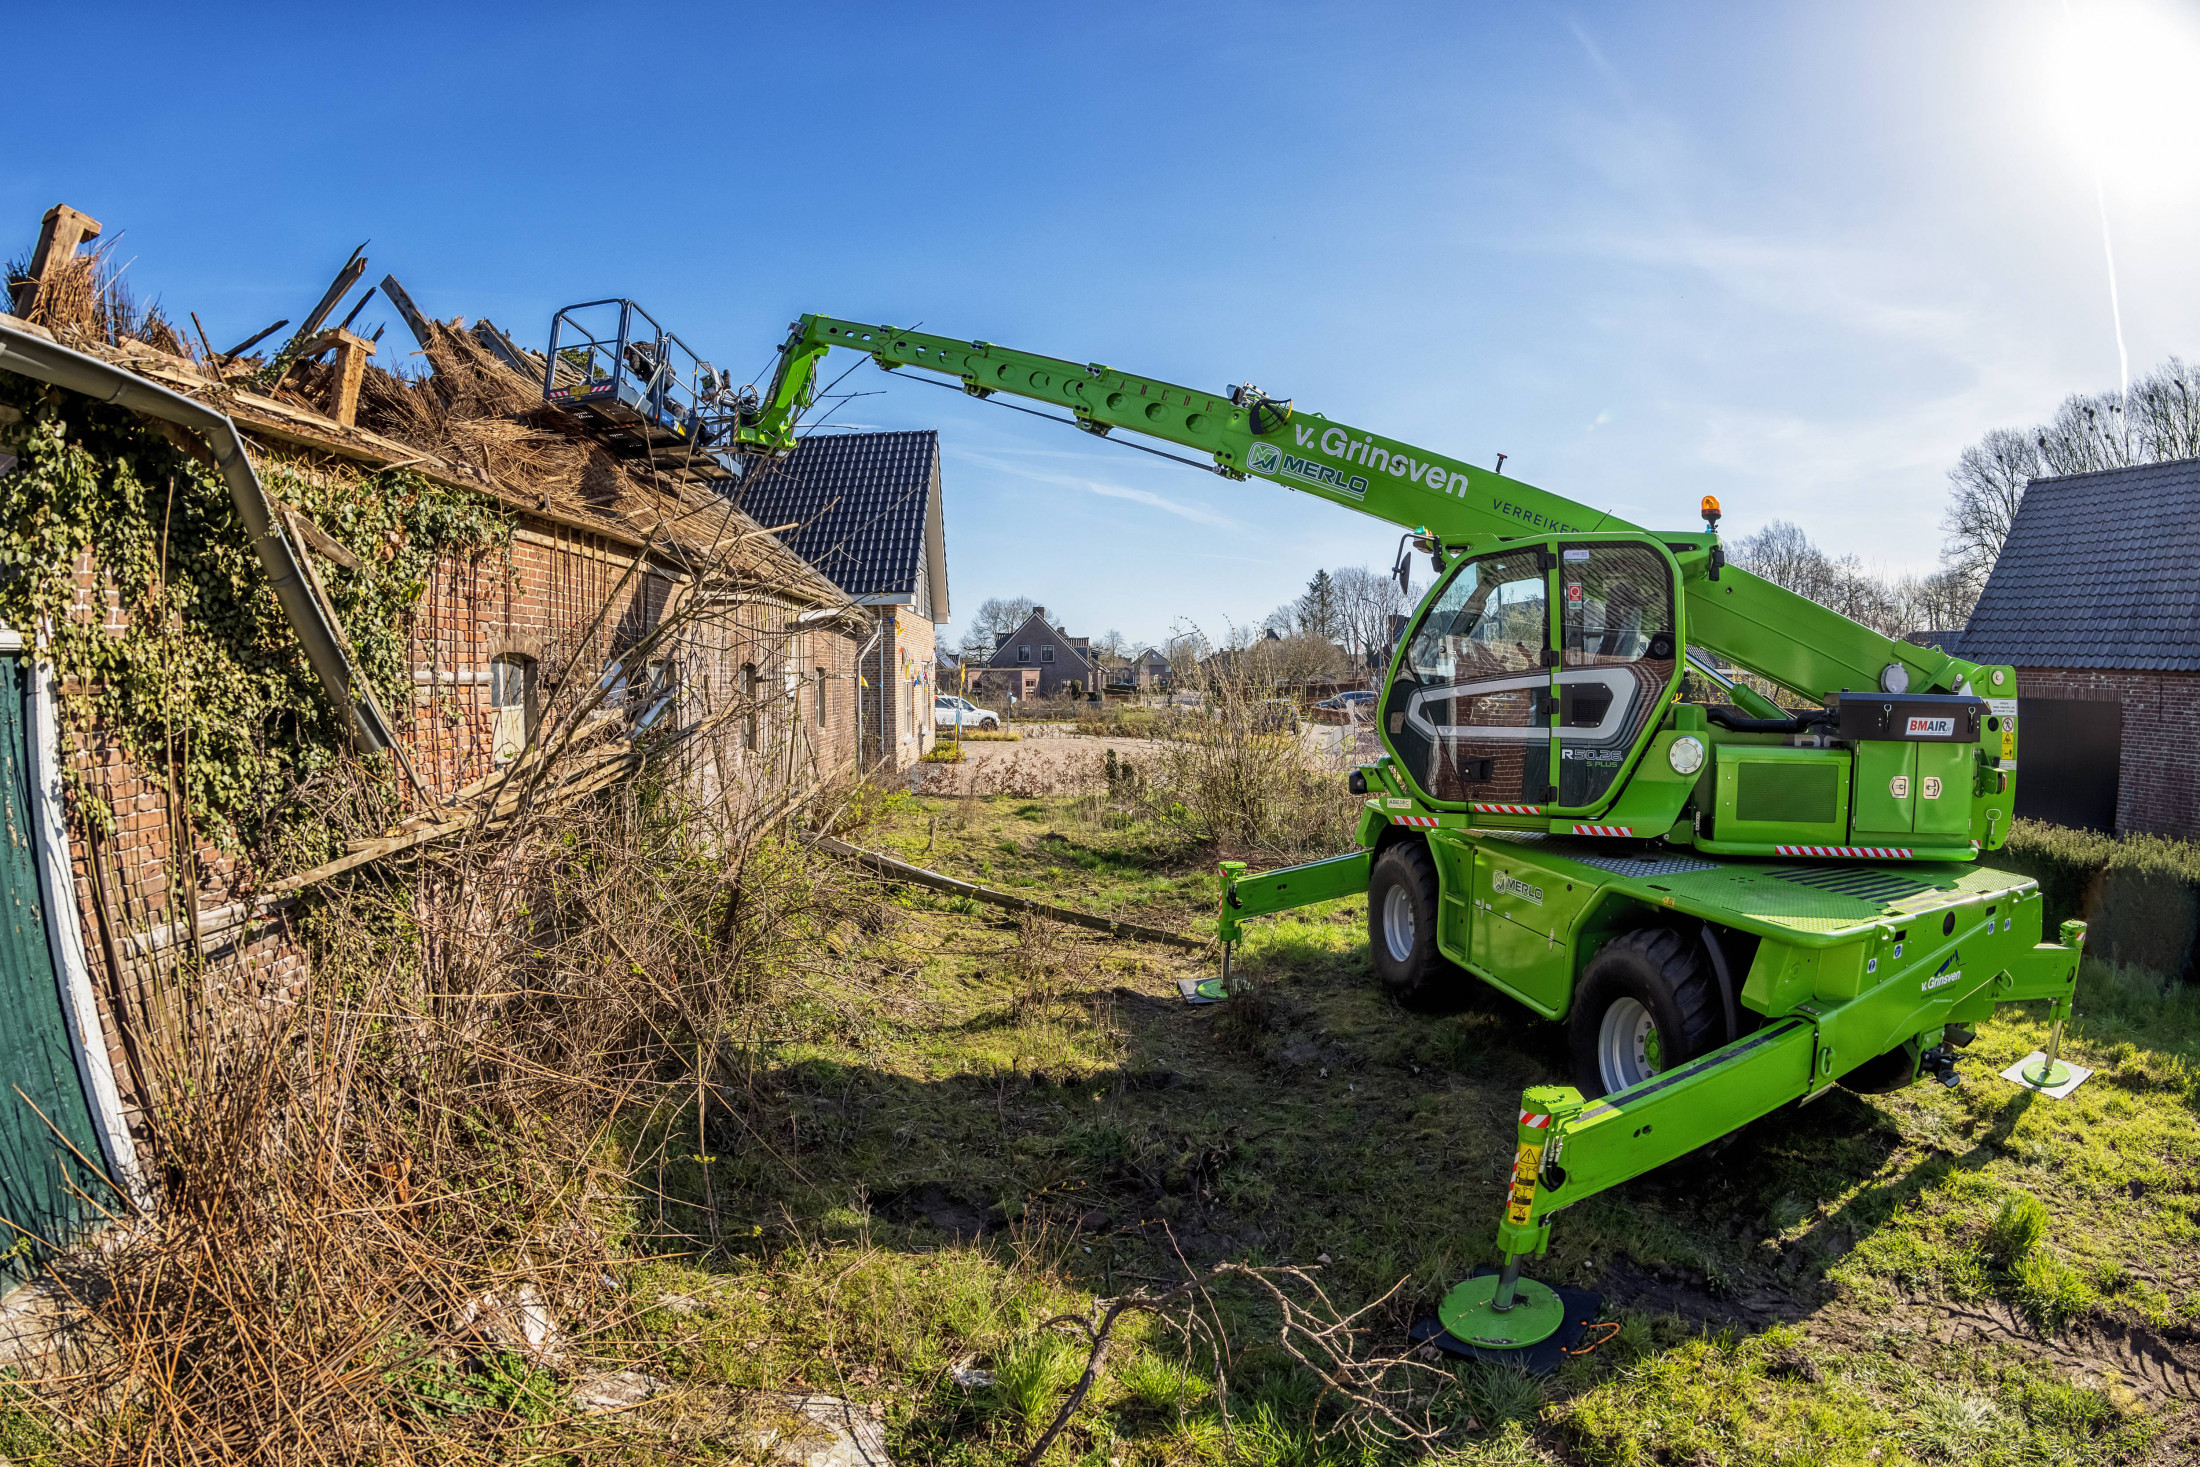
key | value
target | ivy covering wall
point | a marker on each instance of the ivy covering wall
(191, 667)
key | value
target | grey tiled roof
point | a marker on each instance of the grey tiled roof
(2100, 570)
(858, 501)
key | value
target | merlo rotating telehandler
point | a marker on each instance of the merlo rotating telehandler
(1733, 905)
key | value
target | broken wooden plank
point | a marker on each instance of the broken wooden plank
(60, 234)
(918, 876)
(338, 288)
(414, 320)
(353, 314)
(320, 539)
(256, 338)
(506, 350)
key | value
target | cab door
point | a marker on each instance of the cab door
(1619, 652)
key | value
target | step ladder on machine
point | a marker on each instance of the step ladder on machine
(638, 389)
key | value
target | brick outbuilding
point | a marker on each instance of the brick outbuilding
(2096, 602)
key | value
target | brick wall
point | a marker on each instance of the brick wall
(2159, 790)
(901, 676)
(776, 704)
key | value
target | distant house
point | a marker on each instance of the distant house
(1012, 683)
(1149, 669)
(865, 509)
(1059, 658)
(2096, 603)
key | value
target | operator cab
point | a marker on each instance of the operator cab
(1536, 672)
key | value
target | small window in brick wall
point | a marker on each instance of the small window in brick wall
(1023, 654)
(821, 697)
(512, 698)
(1046, 654)
(748, 706)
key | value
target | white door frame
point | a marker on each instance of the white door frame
(65, 934)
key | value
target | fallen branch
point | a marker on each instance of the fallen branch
(918, 876)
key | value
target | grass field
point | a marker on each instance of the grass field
(975, 1124)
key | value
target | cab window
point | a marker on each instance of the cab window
(1492, 618)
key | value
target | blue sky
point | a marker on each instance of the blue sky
(1797, 255)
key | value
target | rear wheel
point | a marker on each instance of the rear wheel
(1401, 927)
(1647, 1003)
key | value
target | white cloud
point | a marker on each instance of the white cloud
(1196, 512)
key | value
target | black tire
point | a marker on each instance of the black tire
(1654, 973)
(1401, 929)
(993, 724)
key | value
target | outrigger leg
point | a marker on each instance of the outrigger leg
(1272, 891)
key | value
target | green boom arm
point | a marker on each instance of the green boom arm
(1793, 640)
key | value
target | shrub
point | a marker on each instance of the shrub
(2139, 893)
(1225, 774)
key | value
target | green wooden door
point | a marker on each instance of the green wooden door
(39, 1176)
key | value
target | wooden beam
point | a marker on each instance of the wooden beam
(414, 321)
(895, 870)
(351, 370)
(60, 234)
(320, 539)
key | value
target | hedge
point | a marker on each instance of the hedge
(2140, 894)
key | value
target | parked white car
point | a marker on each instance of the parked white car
(949, 711)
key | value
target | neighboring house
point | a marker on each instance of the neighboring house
(865, 509)
(1058, 657)
(1013, 683)
(2096, 603)
(1147, 670)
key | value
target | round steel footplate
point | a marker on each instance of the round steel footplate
(1536, 1314)
(2047, 1076)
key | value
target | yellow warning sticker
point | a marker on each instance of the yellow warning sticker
(2008, 738)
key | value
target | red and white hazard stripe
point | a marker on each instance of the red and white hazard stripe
(1506, 809)
(1604, 830)
(1533, 1121)
(1426, 822)
(1874, 853)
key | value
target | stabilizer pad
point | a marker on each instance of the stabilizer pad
(1201, 990)
(1541, 1358)
(2066, 1078)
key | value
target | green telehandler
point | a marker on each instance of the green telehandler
(1732, 905)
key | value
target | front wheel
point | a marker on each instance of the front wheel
(1647, 1003)
(1401, 928)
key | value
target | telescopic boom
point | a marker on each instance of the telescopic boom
(1790, 639)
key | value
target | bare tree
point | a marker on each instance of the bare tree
(1186, 647)
(2165, 412)
(1366, 600)
(1895, 606)
(995, 618)
(1986, 486)
(2089, 432)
